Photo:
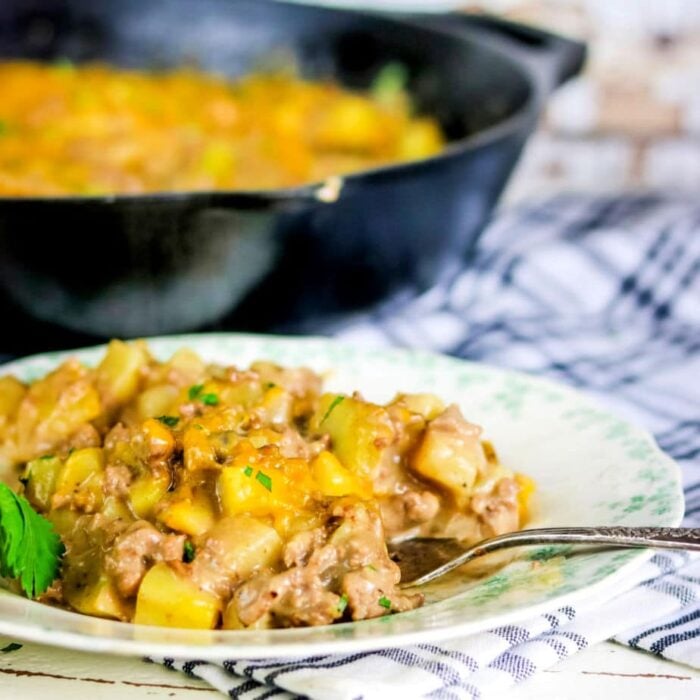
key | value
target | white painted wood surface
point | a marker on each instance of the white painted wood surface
(608, 670)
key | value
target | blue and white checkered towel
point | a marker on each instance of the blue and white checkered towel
(601, 294)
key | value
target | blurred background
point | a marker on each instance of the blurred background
(632, 120)
(629, 122)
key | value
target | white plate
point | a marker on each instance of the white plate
(591, 468)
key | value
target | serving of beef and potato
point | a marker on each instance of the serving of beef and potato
(95, 129)
(188, 494)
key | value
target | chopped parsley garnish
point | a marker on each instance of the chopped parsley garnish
(30, 549)
(371, 567)
(195, 391)
(390, 83)
(64, 65)
(188, 552)
(209, 399)
(385, 602)
(270, 385)
(264, 480)
(46, 457)
(248, 471)
(343, 603)
(334, 404)
(170, 421)
(195, 394)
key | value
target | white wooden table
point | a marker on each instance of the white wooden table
(605, 671)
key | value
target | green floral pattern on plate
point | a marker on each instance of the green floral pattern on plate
(591, 468)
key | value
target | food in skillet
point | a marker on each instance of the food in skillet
(195, 495)
(93, 129)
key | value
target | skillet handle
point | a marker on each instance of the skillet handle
(551, 59)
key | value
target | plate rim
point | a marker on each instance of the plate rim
(222, 650)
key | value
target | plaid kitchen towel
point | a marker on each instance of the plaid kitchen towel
(601, 294)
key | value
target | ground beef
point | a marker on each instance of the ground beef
(117, 480)
(135, 550)
(296, 598)
(403, 511)
(346, 561)
(118, 434)
(498, 510)
(85, 436)
(298, 550)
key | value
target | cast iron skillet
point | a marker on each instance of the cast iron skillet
(160, 263)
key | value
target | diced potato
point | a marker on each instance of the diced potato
(350, 124)
(41, 477)
(95, 596)
(244, 393)
(188, 366)
(160, 442)
(156, 401)
(12, 391)
(199, 451)
(167, 599)
(360, 432)
(76, 406)
(118, 375)
(300, 383)
(451, 455)
(218, 161)
(527, 488)
(79, 466)
(147, 492)
(277, 406)
(243, 544)
(80, 479)
(241, 492)
(334, 479)
(230, 619)
(52, 410)
(420, 139)
(193, 516)
(64, 520)
(427, 405)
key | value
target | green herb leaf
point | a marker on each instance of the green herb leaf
(209, 399)
(334, 404)
(30, 549)
(265, 480)
(390, 83)
(46, 457)
(188, 552)
(12, 646)
(343, 603)
(385, 602)
(64, 65)
(270, 385)
(170, 421)
(195, 391)
(248, 470)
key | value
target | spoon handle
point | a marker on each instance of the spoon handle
(658, 537)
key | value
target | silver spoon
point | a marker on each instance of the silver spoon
(423, 559)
